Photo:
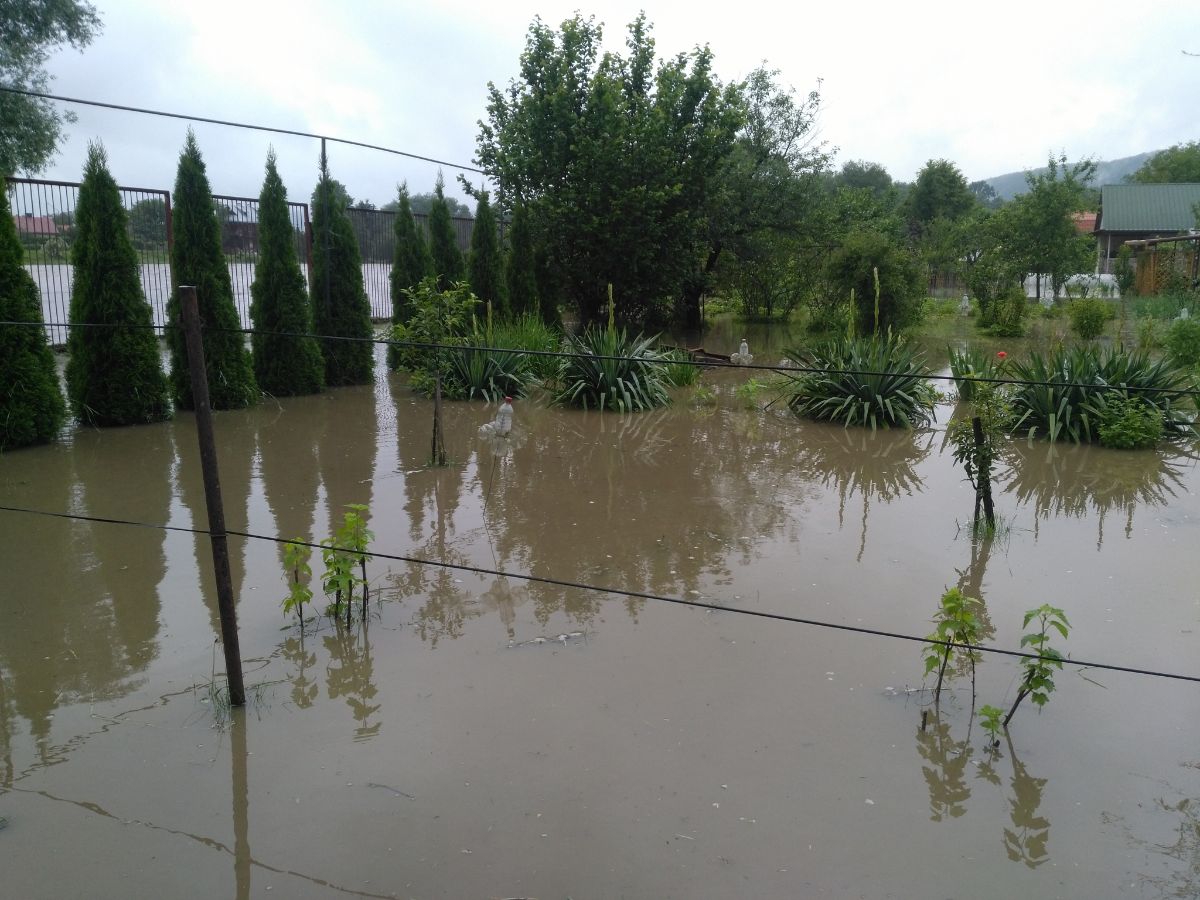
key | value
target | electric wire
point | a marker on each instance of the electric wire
(190, 118)
(624, 592)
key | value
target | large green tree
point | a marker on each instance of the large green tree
(485, 270)
(31, 401)
(342, 312)
(520, 268)
(287, 360)
(940, 192)
(114, 372)
(854, 266)
(197, 260)
(859, 173)
(443, 243)
(1177, 164)
(410, 264)
(30, 128)
(615, 160)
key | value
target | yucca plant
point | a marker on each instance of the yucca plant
(1072, 391)
(874, 381)
(489, 375)
(679, 371)
(967, 365)
(611, 370)
(529, 332)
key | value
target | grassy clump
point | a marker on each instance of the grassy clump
(612, 370)
(876, 381)
(679, 371)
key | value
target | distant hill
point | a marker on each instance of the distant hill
(1110, 172)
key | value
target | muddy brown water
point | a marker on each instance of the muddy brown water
(661, 751)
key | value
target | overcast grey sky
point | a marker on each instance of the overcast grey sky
(994, 88)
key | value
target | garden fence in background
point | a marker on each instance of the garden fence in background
(44, 212)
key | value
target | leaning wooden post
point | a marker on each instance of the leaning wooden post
(212, 494)
(983, 476)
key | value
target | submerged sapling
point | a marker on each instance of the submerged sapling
(1038, 682)
(989, 718)
(954, 638)
(295, 561)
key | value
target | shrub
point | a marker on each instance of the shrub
(31, 402)
(287, 360)
(1126, 423)
(1008, 314)
(196, 259)
(1183, 342)
(1073, 388)
(865, 381)
(611, 370)
(114, 375)
(680, 371)
(438, 317)
(901, 287)
(1088, 316)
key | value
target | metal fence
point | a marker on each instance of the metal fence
(239, 242)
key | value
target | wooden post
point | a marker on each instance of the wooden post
(212, 495)
(983, 476)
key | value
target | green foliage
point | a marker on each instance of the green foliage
(875, 381)
(114, 374)
(1124, 271)
(612, 370)
(967, 365)
(520, 272)
(196, 259)
(447, 260)
(747, 393)
(1183, 342)
(989, 719)
(680, 371)
(438, 317)
(349, 545)
(485, 271)
(1007, 314)
(1088, 317)
(340, 305)
(1126, 423)
(410, 264)
(31, 401)
(529, 332)
(286, 361)
(1178, 164)
(901, 288)
(1038, 682)
(296, 574)
(991, 405)
(29, 33)
(1073, 389)
(1148, 337)
(940, 192)
(955, 635)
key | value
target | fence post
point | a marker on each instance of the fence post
(983, 477)
(212, 495)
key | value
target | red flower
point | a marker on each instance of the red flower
(1002, 355)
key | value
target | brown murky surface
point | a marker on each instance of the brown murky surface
(663, 752)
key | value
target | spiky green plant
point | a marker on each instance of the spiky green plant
(484, 374)
(874, 381)
(197, 259)
(529, 332)
(679, 371)
(970, 364)
(31, 401)
(611, 370)
(1070, 391)
(287, 360)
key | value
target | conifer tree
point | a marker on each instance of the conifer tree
(114, 374)
(521, 269)
(443, 245)
(197, 259)
(411, 261)
(285, 364)
(340, 305)
(486, 269)
(31, 401)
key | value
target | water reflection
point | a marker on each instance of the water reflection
(304, 689)
(350, 673)
(945, 772)
(1026, 840)
(1075, 481)
(242, 860)
(347, 431)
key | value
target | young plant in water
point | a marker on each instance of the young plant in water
(989, 718)
(355, 537)
(340, 553)
(954, 638)
(297, 572)
(1038, 682)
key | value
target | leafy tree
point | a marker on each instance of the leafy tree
(940, 192)
(340, 304)
(520, 272)
(984, 262)
(341, 196)
(411, 262)
(1177, 164)
(196, 259)
(485, 268)
(148, 224)
(985, 194)
(858, 173)
(114, 374)
(287, 360)
(422, 205)
(616, 161)
(29, 31)
(31, 401)
(443, 243)
(853, 266)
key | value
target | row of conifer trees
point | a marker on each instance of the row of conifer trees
(114, 373)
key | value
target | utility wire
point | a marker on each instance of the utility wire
(569, 354)
(190, 118)
(637, 595)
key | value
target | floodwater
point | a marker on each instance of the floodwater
(653, 750)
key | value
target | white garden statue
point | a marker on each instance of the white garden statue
(743, 357)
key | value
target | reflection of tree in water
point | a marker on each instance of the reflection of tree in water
(346, 434)
(970, 582)
(1026, 840)
(1060, 480)
(288, 467)
(877, 465)
(945, 774)
(349, 674)
(304, 689)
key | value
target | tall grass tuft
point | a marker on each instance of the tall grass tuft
(875, 381)
(679, 371)
(612, 370)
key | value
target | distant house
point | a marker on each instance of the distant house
(36, 226)
(1137, 212)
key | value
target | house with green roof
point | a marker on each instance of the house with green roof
(1137, 212)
